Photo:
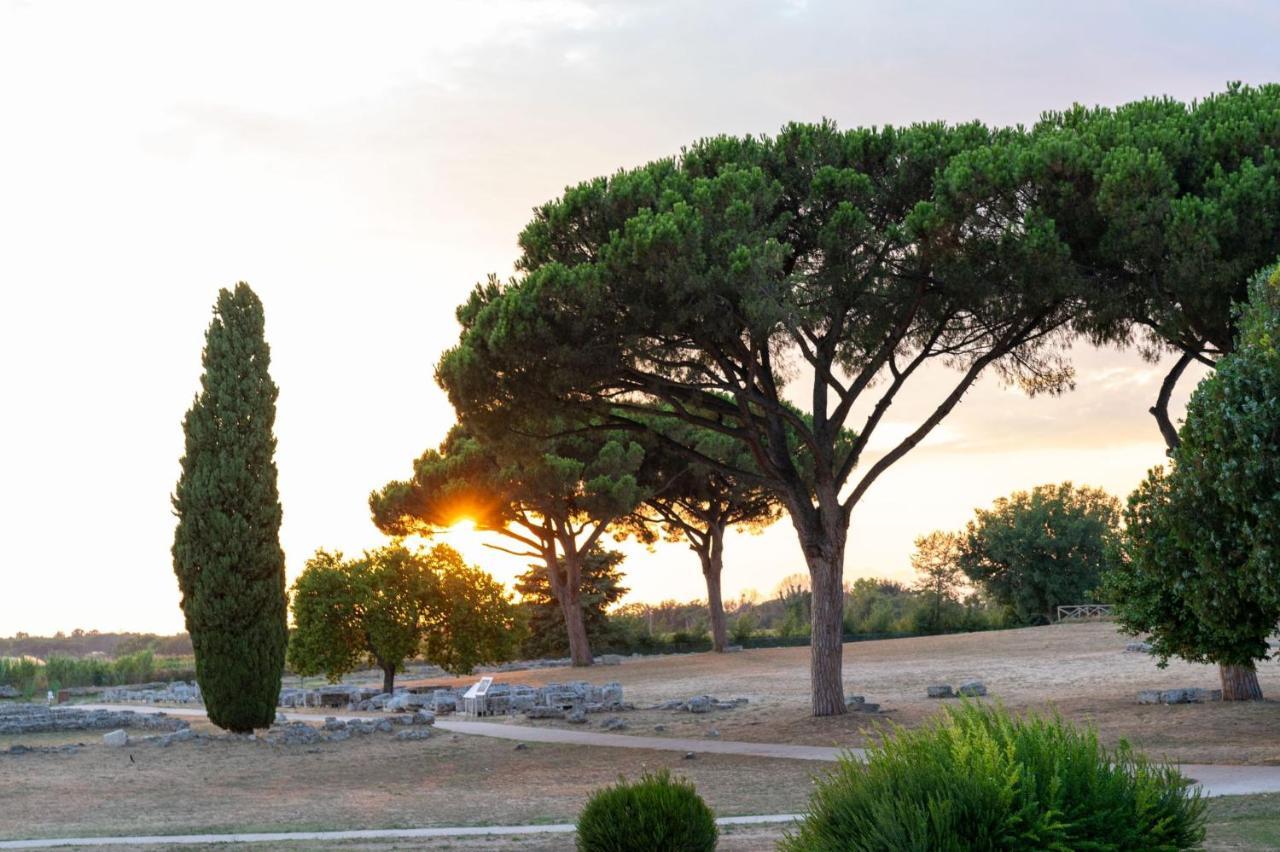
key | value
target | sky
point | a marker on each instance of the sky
(362, 166)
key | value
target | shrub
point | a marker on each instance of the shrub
(981, 779)
(655, 814)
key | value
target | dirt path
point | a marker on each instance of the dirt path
(1214, 779)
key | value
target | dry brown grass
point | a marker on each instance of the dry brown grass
(1079, 670)
(370, 782)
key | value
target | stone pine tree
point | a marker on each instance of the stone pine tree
(1170, 207)
(226, 549)
(819, 266)
(552, 499)
(699, 504)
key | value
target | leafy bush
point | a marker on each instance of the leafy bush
(981, 779)
(655, 814)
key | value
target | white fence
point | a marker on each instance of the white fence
(1077, 612)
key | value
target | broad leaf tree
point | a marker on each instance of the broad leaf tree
(1170, 207)
(939, 577)
(394, 604)
(1036, 550)
(551, 499)
(226, 548)
(819, 268)
(1201, 556)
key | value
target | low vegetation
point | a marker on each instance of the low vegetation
(658, 813)
(982, 779)
(30, 676)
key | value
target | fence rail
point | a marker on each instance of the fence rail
(1081, 611)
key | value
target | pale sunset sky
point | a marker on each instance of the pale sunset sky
(363, 165)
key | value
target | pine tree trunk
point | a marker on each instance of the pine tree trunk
(566, 588)
(826, 648)
(576, 628)
(1239, 683)
(712, 563)
(388, 678)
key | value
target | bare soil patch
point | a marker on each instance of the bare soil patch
(1079, 670)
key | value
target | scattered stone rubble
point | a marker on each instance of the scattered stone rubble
(39, 718)
(700, 704)
(7, 691)
(19, 748)
(860, 704)
(177, 692)
(552, 701)
(1188, 695)
(972, 689)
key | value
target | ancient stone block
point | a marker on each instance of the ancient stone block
(414, 734)
(544, 713)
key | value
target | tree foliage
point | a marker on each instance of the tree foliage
(939, 576)
(600, 587)
(554, 498)
(394, 604)
(706, 283)
(1199, 570)
(698, 503)
(1036, 550)
(226, 548)
(1171, 207)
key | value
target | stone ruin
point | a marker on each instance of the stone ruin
(39, 718)
(972, 689)
(700, 704)
(177, 692)
(7, 691)
(1187, 695)
(552, 701)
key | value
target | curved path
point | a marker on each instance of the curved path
(1214, 779)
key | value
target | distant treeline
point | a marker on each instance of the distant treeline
(83, 643)
(30, 677)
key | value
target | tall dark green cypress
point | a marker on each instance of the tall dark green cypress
(226, 549)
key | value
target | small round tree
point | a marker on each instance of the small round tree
(1199, 568)
(394, 604)
(1038, 549)
(226, 548)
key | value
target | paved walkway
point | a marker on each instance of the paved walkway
(1215, 780)
(331, 836)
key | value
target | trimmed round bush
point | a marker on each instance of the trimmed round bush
(658, 813)
(981, 779)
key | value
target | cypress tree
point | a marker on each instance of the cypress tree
(226, 549)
